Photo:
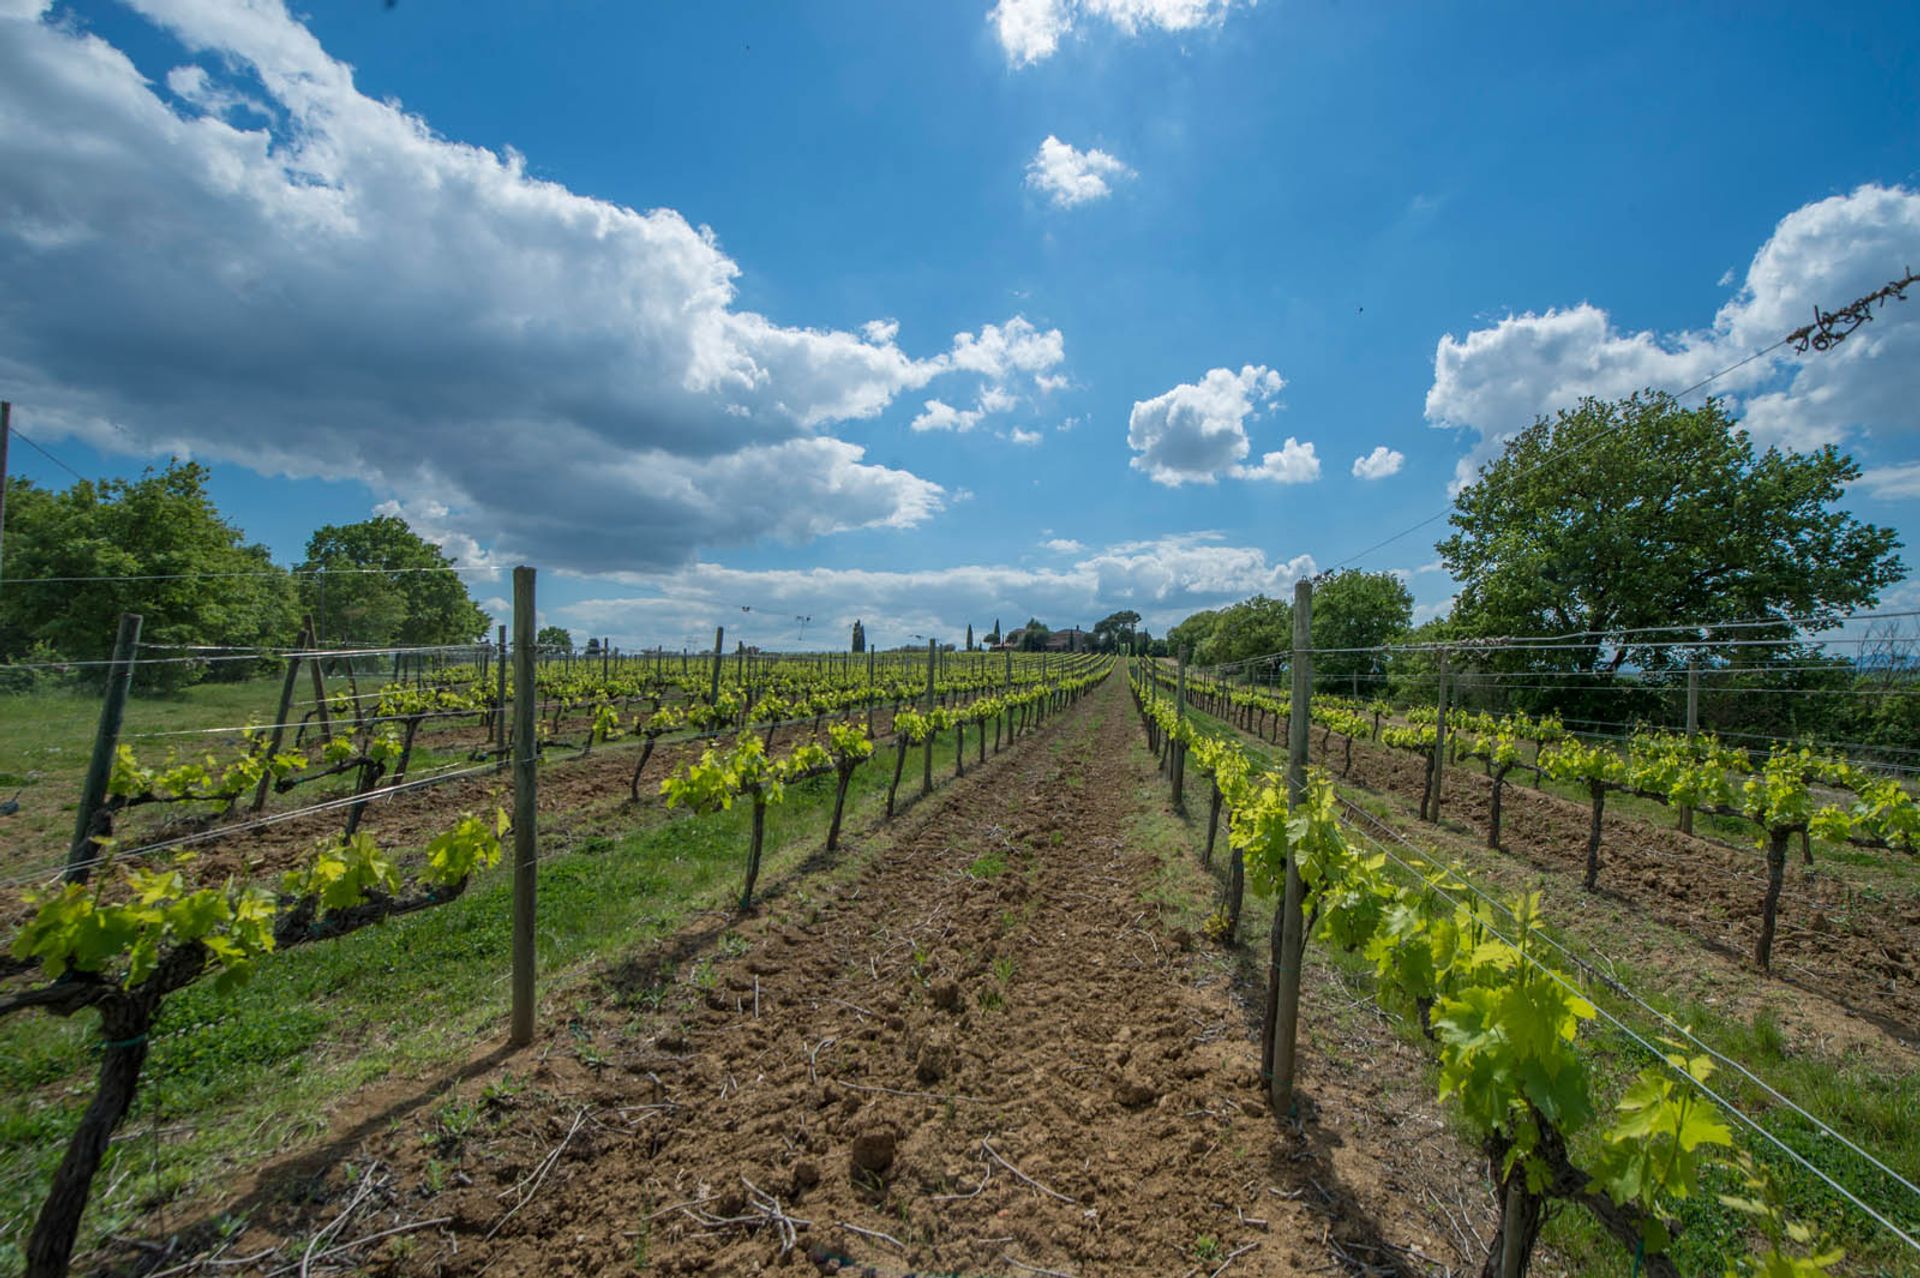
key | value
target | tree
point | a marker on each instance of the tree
(418, 600)
(1114, 629)
(969, 636)
(1354, 609)
(556, 638)
(593, 646)
(859, 637)
(1033, 638)
(1192, 634)
(1252, 628)
(1620, 516)
(164, 551)
(994, 638)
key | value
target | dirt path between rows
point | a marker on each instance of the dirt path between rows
(978, 1051)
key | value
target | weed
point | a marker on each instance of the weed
(990, 864)
(1206, 1248)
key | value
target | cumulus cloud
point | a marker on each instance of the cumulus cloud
(1293, 463)
(1068, 176)
(1063, 546)
(1379, 463)
(1025, 438)
(1892, 483)
(246, 258)
(1164, 579)
(1031, 30)
(1496, 380)
(939, 415)
(1197, 431)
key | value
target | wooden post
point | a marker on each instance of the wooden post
(525, 772)
(1288, 938)
(713, 687)
(933, 655)
(106, 739)
(287, 686)
(1440, 743)
(1693, 729)
(6, 430)
(319, 679)
(500, 699)
(1178, 761)
(869, 694)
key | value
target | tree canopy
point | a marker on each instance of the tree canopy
(558, 638)
(1354, 609)
(1615, 516)
(418, 600)
(1114, 629)
(171, 557)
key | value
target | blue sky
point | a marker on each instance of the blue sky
(931, 314)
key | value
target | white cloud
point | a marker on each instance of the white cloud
(1069, 177)
(1164, 579)
(939, 415)
(1026, 438)
(1069, 424)
(1294, 463)
(1063, 546)
(1030, 30)
(1496, 380)
(1197, 431)
(1423, 613)
(1379, 463)
(1001, 351)
(261, 264)
(1892, 483)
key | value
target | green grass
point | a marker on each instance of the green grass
(233, 1078)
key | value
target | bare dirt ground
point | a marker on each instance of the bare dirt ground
(1861, 954)
(978, 1045)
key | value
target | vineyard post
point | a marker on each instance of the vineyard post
(106, 739)
(319, 677)
(6, 429)
(1440, 742)
(1693, 729)
(500, 706)
(1288, 937)
(280, 720)
(926, 775)
(1179, 760)
(869, 693)
(525, 772)
(713, 687)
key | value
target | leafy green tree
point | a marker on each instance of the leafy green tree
(969, 636)
(859, 637)
(171, 557)
(994, 638)
(1034, 637)
(1193, 633)
(416, 600)
(1114, 629)
(1251, 628)
(1638, 513)
(554, 638)
(1354, 609)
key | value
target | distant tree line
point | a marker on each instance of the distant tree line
(1640, 536)
(77, 558)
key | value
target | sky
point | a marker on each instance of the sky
(777, 315)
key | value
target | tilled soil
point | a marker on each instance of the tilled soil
(1861, 954)
(981, 1051)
